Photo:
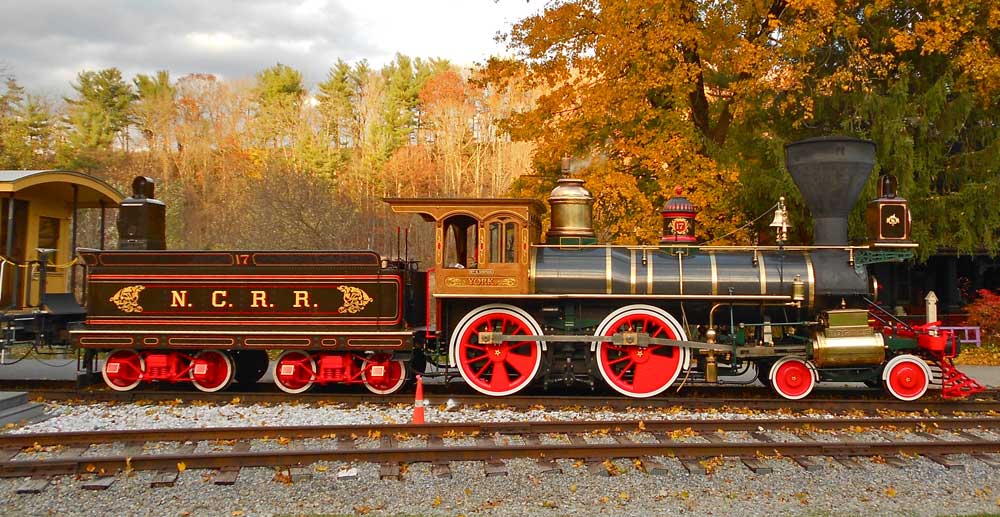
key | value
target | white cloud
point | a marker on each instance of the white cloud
(215, 42)
(47, 42)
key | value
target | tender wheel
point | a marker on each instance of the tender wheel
(294, 371)
(382, 375)
(792, 378)
(123, 369)
(640, 371)
(211, 371)
(497, 369)
(250, 366)
(906, 377)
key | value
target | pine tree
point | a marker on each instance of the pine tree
(101, 112)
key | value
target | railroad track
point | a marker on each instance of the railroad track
(654, 443)
(696, 399)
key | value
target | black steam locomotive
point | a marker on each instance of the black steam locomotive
(505, 308)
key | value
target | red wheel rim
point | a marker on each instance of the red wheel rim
(635, 370)
(211, 370)
(498, 369)
(907, 380)
(122, 369)
(294, 371)
(392, 374)
(793, 379)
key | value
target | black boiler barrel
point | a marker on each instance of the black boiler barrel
(697, 274)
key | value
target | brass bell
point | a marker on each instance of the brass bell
(780, 222)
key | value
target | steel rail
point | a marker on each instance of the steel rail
(694, 402)
(281, 458)
(488, 428)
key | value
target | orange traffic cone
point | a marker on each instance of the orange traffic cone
(418, 403)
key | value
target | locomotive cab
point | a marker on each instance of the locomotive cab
(481, 245)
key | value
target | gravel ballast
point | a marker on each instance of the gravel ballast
(922, 487)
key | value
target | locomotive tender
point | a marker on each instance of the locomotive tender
(507, 309)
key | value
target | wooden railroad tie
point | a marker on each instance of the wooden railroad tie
(389, 470)
(439, 468)
(494, 467)
(227, 476)
(751, 463)
(546, 465)
(167, 477)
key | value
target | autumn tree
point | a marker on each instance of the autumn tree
(705, 95)
(155, 116)
(14, 150)
(649, 86)
(447, 109)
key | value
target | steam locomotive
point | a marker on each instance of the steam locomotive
(504, 307)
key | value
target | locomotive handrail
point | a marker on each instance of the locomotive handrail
(873, 305)
(710, 248)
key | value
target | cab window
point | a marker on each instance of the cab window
(503, 241)
(461, 242)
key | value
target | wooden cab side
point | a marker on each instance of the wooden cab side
(482, 246)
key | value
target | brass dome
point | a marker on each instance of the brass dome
(572, 212)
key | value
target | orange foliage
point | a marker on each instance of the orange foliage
(658, 88)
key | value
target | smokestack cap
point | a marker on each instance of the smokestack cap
(830, 172)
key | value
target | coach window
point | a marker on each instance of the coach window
(48, 236)
(461, 242)
(503, 241)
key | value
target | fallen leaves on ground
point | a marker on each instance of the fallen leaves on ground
(986, 355)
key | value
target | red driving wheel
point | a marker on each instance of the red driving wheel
(497, 369)
(640, 371)
(792, 378)
(907, 377)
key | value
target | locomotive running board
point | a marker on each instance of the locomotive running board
(603, 296)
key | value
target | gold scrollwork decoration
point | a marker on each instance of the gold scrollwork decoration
(355, 299)
(892, 220)
(127, 298)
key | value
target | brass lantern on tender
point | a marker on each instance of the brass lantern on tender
(888, 216)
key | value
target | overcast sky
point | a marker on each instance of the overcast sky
(45, 43)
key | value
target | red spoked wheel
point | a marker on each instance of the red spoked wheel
(497, 369)
(906, 377)
(211, 371)
(792, 377)
(294, 371)
(640, 371)
(382, 375)
(123, 369)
